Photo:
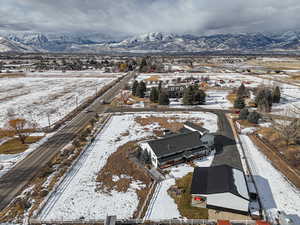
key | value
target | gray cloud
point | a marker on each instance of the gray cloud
(138, 16)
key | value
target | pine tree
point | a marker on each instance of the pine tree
(264, 100)
(163, 98)
(239, 103)
(253, 117)
(188, 96)
(199, 97)
(241, 90)
(244, 114)
(276, 95)
(154, 94)
(143, 86)
(134, 87)
(139, 91)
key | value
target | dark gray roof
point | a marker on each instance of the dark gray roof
(196, 127)
(176, 143)
(217, 179)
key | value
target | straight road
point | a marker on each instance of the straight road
(12, 183)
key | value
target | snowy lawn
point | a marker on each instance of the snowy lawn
(275, 192)
(76, 196)
(37, 96)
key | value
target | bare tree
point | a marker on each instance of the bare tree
(289, 130)
(21, 127)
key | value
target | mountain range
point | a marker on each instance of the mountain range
(149, 42)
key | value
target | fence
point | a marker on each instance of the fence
(45, 201)
(140, 221)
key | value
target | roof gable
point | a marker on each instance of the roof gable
(219, 179)
(175, 143)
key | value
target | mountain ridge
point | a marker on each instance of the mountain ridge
(153, 41)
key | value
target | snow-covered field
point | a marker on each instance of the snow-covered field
(76, 196)
(276, 193)
(37, 96)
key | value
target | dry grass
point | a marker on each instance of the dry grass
(246, 123)
(276, 65)
(15, 146)
(126, 170)
(12, 75)
(153, 78)
(183, 200)
(231, 97)
(291, 153)
(170, 123)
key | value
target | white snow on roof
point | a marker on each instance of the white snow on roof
(240, 183)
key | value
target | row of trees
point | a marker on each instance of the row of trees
(252, 117)
(265, 97)
(157, 95)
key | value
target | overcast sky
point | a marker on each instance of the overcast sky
(140, 16)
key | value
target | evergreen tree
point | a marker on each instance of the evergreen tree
(143, 66)
(139, 91)
(134, 87)
(264, 100)
(163, 98)
(253, 117)
(154, 94)
(244, 114)
(143, 86)
(239, 103)
(241, 90)
(199, 97)
(276, 95)
(188, 96)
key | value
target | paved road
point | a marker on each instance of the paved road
(227, 152)
(16, 179)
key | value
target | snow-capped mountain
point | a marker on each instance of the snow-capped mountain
(156, 41)
(13, 46)
(55, 42)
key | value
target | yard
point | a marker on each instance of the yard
(96, 185)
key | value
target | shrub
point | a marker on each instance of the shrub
(244, 114)
(253, 117)
(239, 103)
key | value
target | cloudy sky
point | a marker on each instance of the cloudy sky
(140, 16)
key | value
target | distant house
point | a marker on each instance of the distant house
(188, 144)
(220, 187)
(175, 91)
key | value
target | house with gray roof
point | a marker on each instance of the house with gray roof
(189, 143)
(221, 188)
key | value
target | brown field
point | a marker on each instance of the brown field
(11, 75)
(170, 123)
(291, 152)
(15, 146)
(153, 78)
(277, 65)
